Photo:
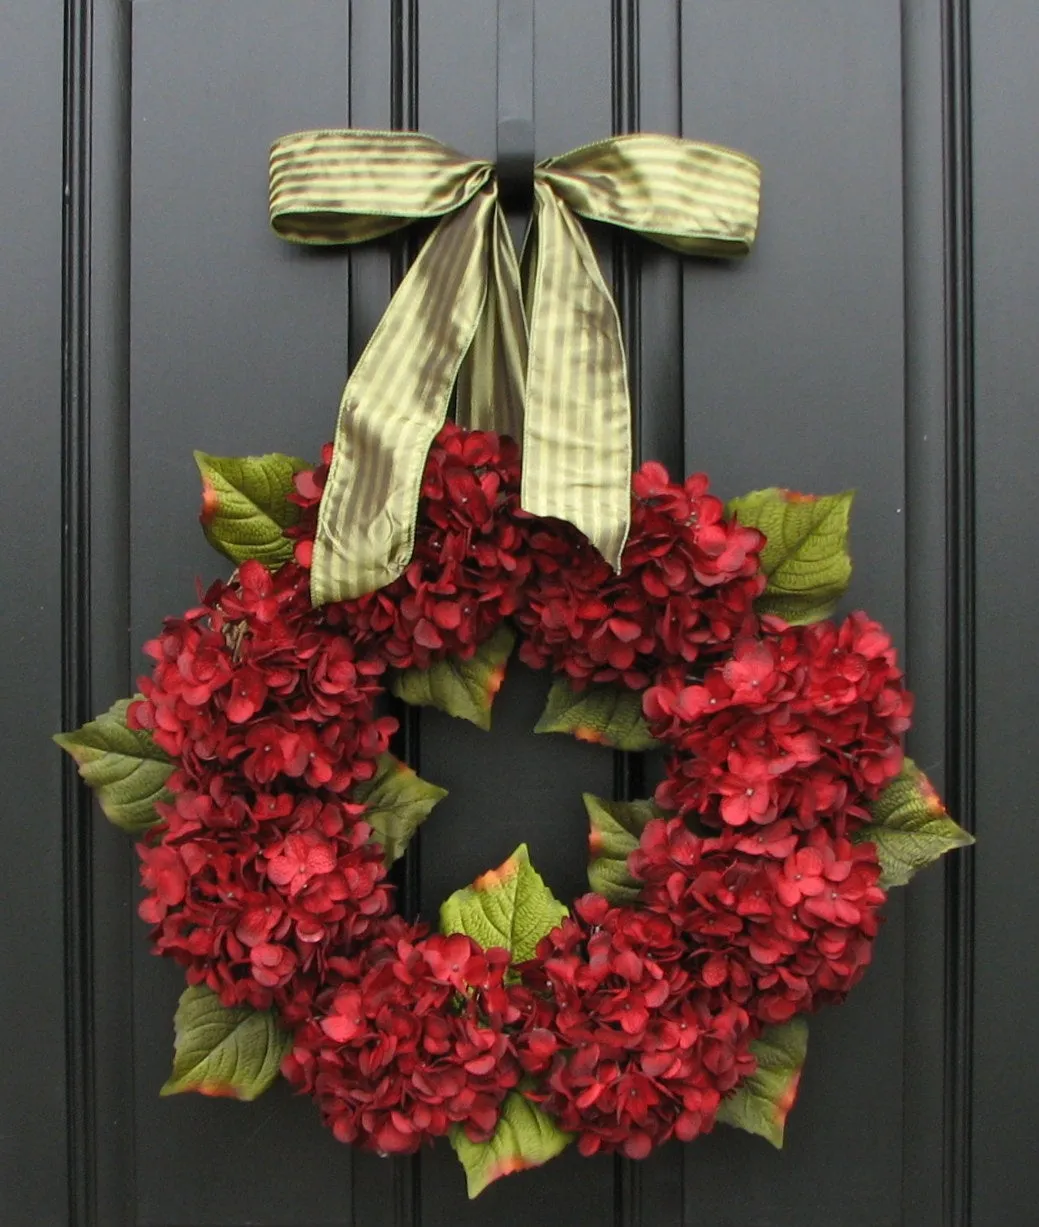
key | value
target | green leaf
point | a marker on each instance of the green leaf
(462, 688)
(235, 1053)
(244, 505)
(509, 906)
(124, 767)
(762, 1102)
(608, 715)
(615, 830)
(398, 801)
(910, 827)
(525, 1137)
(806, 557)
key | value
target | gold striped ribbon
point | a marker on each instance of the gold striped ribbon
(542, 360)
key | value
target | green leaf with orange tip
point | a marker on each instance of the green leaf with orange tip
(245, 508)
(509, 906)
(910, 827)
(397, 802)
(762, 1102)
(525, 1137)
(615, 828)
(124, 767)
(233, 1053)
(462, 688)
(806, 556)
(606, 714)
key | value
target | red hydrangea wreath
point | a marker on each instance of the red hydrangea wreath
(255, 765)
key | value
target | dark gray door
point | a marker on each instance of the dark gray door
(880, 336)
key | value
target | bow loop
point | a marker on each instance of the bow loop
(692, 197)
(544, 363)
(352, 185)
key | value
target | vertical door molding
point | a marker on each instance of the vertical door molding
(941, 585)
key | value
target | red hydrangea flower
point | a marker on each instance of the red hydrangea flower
(252, 898)
(635, 1051)
(687, 583)
(164, 874)
(782, 927)
(255, 686)
(408, 1038)
(802, 723)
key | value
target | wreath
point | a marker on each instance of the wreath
(255, 768)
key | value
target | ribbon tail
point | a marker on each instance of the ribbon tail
(393, 405)
(491, 382)
(577, 428)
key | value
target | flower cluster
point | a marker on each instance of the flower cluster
(407, 1039)
(469, 566)
(687, 584)
(778, 751)
(255, 687)
(780, 922)
(260, 866)
(803, 724)
(250, 900)
(631, 1050)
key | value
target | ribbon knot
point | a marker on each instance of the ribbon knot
(540, 359)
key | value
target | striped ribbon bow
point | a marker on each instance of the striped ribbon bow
(540, 359)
